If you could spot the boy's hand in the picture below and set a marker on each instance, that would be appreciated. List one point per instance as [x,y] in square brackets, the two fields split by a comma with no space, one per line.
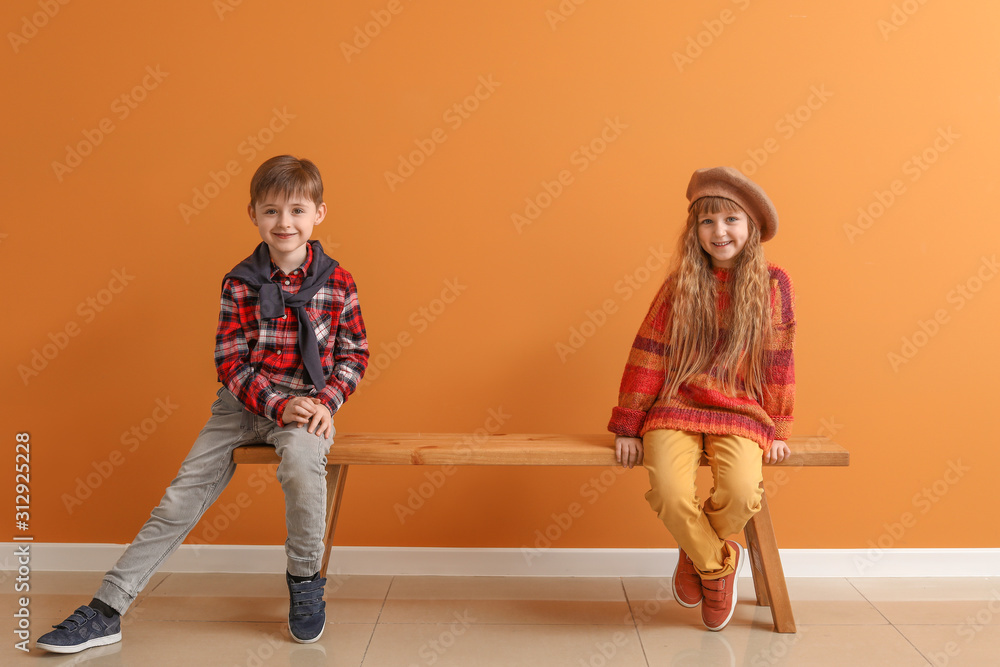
[628,451]
[779,452]
[300,409]
[322,421]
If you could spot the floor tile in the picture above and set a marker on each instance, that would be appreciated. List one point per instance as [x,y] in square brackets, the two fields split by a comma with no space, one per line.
[813,645]
[505,600]
[971,644]
[267,585]
[930,601]
[541,612]
[463,645]
[508,588]
[211,619]
[258,597]
[927,588]
[58,594]
[264,610]
[155,643]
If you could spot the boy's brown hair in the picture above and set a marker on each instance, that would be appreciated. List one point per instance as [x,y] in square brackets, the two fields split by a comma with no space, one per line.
[289,176]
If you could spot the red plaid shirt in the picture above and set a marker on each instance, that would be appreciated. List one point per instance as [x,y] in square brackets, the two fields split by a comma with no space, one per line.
[258,360]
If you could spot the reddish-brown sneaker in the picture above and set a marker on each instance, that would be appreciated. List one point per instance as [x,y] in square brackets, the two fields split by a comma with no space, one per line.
[720,594]
[686,582]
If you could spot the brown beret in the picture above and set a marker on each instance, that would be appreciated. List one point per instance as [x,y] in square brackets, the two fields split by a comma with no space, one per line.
[732,184]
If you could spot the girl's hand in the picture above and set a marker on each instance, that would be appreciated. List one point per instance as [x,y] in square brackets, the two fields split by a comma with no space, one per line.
[779,452]
[628,451]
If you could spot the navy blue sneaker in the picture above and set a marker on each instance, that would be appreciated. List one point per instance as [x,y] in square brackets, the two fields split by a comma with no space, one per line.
[306,609]
[85,628]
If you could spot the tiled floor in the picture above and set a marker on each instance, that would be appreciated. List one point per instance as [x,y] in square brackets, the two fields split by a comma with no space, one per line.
[381,621]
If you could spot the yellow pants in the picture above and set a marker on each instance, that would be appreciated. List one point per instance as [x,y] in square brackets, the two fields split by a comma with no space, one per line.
[672,459]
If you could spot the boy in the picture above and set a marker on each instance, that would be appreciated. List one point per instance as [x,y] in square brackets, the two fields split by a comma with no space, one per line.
[290,348]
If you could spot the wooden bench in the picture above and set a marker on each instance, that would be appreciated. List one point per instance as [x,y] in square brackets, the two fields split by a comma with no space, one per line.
[517,449]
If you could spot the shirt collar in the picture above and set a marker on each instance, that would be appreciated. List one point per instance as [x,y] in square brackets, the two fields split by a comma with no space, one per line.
[302,270]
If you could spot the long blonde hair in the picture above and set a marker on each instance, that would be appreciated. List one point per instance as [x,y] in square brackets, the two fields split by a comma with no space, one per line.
[737,357]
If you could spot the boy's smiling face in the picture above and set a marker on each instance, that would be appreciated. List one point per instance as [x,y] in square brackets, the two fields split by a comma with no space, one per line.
[285,223]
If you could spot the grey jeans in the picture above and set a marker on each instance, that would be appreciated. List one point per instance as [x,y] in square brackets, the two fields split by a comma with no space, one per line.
[202,477]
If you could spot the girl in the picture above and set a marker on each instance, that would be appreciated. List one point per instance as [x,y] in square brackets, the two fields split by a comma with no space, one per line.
[711,371]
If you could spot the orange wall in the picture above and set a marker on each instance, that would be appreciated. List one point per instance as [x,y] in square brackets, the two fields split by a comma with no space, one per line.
[210,84]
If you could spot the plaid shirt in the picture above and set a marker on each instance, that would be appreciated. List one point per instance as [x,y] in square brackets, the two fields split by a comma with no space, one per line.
[258,360]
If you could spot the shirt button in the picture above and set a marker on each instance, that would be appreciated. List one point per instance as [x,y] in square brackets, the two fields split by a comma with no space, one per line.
[288,282]
[279,351]
[284,317]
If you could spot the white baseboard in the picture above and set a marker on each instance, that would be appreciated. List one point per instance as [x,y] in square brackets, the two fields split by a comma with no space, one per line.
[514,562]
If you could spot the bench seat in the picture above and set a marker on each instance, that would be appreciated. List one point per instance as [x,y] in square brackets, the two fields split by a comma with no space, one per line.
[509,449]
[547,449]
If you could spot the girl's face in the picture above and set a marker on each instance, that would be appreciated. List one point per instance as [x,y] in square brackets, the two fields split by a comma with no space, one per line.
[723,235]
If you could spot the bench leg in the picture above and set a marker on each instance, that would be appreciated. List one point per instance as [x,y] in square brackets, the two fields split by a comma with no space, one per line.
[756,567]
[768,576]
[336,479]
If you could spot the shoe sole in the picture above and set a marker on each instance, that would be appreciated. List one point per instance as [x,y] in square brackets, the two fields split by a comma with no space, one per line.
[306,641]
[673,589]
[740,562]
[76,648]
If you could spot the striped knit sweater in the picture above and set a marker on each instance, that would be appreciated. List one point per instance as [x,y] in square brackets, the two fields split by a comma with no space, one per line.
[700,404]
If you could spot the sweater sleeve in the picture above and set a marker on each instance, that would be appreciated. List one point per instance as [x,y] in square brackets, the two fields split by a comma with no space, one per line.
[643,377]
[779,394]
